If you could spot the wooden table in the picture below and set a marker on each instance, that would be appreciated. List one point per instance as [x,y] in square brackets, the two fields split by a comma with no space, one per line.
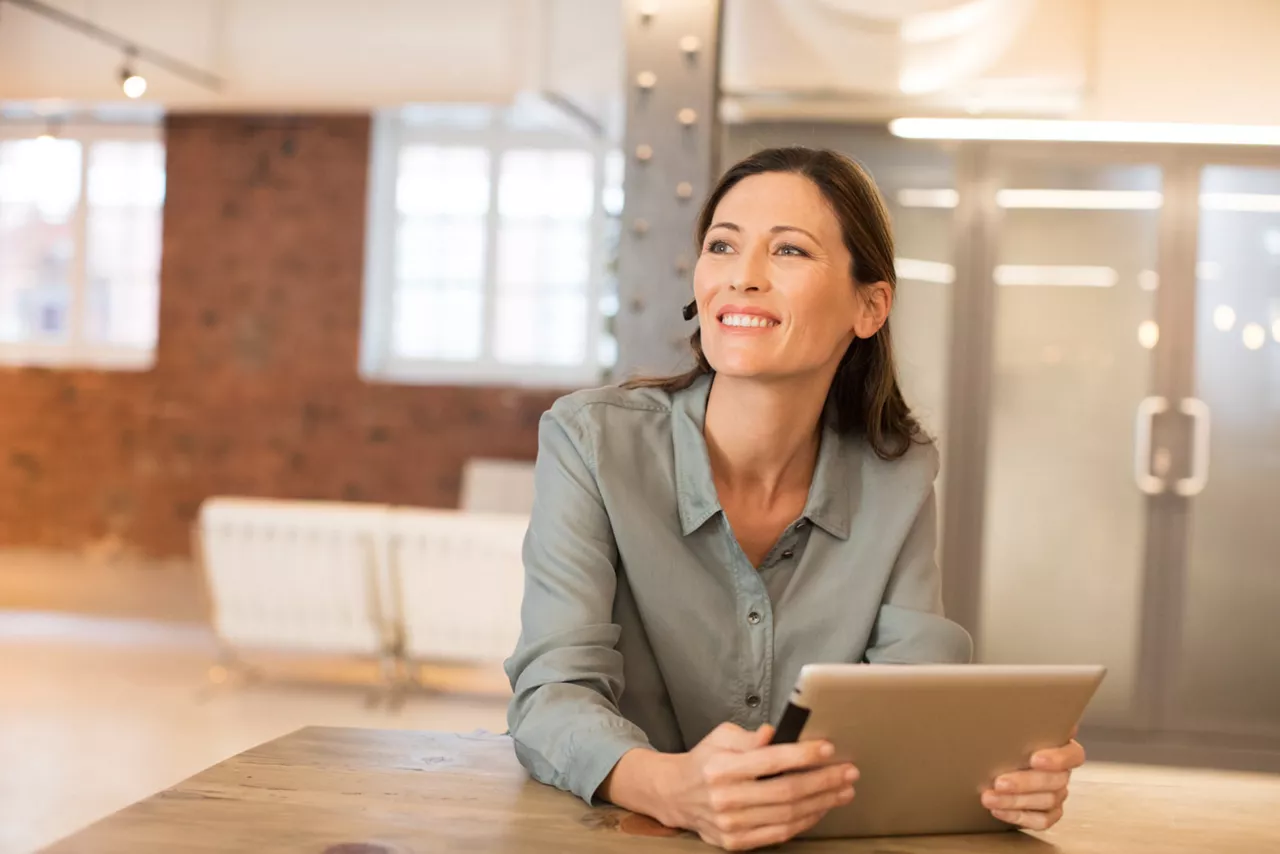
[359,791]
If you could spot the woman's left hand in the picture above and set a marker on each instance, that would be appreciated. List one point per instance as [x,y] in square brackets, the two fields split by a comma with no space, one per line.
[1033,799]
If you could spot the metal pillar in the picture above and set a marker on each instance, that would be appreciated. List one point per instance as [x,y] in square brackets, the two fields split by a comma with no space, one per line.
[670,144]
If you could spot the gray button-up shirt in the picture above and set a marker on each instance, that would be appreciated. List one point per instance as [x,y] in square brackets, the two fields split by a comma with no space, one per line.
[645,625]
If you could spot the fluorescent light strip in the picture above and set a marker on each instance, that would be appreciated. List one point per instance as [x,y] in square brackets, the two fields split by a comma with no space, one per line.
[1054,130]
[917,270]
[1081,200]
[928,198]
[1055,275]
[1098,200]
[1030,275]
[1241,202]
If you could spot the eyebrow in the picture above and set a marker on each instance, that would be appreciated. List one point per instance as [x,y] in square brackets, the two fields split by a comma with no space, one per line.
[775,230]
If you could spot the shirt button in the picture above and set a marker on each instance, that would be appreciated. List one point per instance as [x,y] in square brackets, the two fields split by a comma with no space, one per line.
[788,554]
[753,700]
[753,618]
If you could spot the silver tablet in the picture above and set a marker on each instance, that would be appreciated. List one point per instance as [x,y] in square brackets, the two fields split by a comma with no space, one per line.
[930,739]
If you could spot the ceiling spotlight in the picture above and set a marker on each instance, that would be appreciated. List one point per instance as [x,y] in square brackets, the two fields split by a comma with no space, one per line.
[133,84]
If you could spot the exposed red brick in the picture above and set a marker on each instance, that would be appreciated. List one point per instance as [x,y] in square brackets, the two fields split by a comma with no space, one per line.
[255,389]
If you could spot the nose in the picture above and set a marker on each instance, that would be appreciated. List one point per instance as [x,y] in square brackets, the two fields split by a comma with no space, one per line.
[751,272]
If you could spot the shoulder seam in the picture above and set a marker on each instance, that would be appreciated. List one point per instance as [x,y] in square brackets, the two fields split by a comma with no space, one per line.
[620,405]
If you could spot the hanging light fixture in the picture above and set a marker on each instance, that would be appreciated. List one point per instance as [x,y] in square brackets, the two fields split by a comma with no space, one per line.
[133,83]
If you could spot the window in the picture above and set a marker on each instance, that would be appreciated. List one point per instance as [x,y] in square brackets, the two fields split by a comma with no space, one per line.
[488,248]
[80,218]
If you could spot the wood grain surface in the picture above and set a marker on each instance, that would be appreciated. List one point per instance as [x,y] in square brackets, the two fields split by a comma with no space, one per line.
[362,791]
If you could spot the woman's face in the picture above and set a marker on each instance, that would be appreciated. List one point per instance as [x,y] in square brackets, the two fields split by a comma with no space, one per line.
[774,284]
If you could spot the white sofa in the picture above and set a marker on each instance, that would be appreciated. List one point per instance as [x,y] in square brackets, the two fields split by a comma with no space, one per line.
[403,585]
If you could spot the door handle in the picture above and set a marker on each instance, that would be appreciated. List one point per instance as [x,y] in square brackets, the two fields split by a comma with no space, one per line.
[1148,409]
[1200,420]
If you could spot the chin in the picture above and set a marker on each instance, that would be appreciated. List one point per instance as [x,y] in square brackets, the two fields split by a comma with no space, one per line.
[744,368]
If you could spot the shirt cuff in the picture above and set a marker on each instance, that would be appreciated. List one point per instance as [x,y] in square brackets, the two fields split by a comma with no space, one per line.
[596,754]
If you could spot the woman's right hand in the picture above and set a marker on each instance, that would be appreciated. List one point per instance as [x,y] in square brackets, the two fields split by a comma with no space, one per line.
[715,790]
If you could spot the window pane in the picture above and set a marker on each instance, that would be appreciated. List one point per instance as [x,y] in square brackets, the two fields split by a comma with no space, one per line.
[438,320]
[546,183]
[567,256]
[39,191]
[543,257]
[126,185]
[123,299]
[611,195]
[123,310]
[549,330]
[440,248]
[126,173]
[519,256]
[451,116]
[436,180]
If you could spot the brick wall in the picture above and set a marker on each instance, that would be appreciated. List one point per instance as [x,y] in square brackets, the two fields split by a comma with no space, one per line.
[255,390]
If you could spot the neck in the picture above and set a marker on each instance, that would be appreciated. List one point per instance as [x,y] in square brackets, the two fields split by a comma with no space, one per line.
[763,437]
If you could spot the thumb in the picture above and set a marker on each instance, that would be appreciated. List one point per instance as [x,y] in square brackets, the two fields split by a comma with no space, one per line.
[730,736]
[764,735]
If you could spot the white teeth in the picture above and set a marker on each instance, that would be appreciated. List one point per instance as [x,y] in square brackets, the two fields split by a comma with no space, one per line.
[751,320]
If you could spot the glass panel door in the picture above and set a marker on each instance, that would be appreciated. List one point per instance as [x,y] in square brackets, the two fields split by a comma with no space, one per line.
[1228,671]
[1065,526]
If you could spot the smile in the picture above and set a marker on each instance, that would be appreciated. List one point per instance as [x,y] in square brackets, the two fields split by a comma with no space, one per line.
[747,321]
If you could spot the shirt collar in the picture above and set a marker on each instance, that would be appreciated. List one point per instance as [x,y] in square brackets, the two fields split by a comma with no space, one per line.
[828,505]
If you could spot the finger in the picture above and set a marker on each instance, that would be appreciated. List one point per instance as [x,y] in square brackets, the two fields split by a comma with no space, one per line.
[784,790]
[1024,782]
[761,837]
[1059,758]
[1042,801]
[729,736]
[780,758]
[764,734]
[1030,819]
[785,813]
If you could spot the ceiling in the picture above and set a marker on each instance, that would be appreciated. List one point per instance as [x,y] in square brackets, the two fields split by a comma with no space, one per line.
[324,54]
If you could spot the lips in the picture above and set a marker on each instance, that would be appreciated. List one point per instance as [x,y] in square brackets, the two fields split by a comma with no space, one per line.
[747,317]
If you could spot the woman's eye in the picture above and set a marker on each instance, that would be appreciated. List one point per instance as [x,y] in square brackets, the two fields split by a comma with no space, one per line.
[718,247]
[791,249]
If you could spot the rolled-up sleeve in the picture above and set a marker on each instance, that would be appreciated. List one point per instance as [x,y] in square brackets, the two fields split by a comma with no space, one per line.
[566,673]
[910,627]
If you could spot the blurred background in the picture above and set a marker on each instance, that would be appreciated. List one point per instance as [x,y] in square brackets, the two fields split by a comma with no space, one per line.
[285,286]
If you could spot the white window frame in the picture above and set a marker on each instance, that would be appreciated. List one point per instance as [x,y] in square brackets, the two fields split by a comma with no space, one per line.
[377,362]
[75,351]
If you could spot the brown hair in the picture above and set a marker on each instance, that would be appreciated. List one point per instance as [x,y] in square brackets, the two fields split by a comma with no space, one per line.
[864,397]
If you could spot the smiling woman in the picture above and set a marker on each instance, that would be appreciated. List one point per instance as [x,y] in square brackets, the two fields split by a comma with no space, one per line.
[697,539]
[808,232]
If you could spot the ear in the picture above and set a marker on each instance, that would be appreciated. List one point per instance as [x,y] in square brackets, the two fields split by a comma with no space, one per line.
[877,302]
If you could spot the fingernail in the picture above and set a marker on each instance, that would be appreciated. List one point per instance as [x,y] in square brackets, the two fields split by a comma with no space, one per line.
[846,794]
[850,775]
[827,749]
[1003,785]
